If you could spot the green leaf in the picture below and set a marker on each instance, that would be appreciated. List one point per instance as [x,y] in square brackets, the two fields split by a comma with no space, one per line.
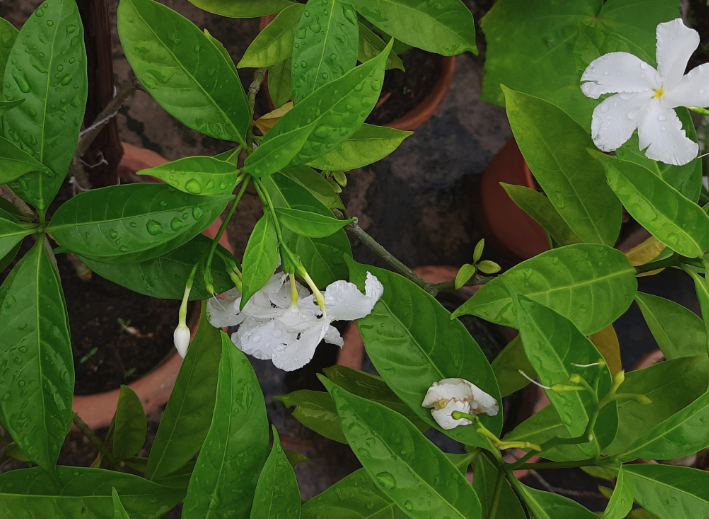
[316,184]
[81,492]
[11,234]
[544,505]
[702,289]
[507,365]
[673,219]
[670,492]
[132,222]
[413,343]
[119,512]
[183,70]
[185,423]
[402,462]
[309,224]
[590,284]
[236,447]
[316,411]
[328,117]
[677,330]
[220,47]
[260,258]
[47,69]
[444,27]
[130,425]
[274,44]
[542,211]
[552,344]
[165,277]
[242,8]
[371,45]
[326,44]
[466,272]
[622,499]
[8,259]
[8,35]
[369,144]
[14,163]
[197,175]
[36,364]
[279,82]
[277,494]
[484,481]
[575,186]
[671,385]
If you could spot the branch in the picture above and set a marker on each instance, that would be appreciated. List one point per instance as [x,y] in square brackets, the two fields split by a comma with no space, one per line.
[16,201]
[562,491]
[86,430]
[256,86]
[672,261]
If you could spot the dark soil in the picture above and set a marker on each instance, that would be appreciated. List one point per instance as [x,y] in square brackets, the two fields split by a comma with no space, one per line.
[699,20]
[404,91]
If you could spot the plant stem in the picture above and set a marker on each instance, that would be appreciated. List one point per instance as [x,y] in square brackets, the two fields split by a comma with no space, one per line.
[496,495]
[255,86]
[672,261]
[86,430]
[559,465]
[17,201]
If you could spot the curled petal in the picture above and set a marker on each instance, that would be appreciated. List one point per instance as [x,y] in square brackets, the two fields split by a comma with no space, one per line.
[618,72]
[616,118]
[445,420]
[332,336]
[260,338]
[344,301]
[483,402]
[675,44]
[300,350]
[225,312]
[661,132]
[447,389]
[692,90]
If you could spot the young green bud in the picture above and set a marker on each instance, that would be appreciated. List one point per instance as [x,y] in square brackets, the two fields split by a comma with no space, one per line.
[489,267]
[340,177]
[466,272]
[478,253]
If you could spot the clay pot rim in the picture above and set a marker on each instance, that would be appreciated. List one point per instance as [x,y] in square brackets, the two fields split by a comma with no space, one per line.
[154,387]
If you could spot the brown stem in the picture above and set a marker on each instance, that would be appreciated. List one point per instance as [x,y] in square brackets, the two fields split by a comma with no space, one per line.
[16,200]
[86,430]
[256,86]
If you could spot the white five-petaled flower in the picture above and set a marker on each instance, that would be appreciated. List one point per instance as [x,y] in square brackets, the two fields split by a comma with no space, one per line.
[457,394]
[645,98]
[272,328]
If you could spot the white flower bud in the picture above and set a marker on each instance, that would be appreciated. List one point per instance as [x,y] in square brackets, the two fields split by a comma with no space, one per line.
[182,339]
[457,394]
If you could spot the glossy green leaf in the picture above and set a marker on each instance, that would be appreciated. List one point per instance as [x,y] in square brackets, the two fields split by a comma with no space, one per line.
[621,501]
[277,494]
[186,420]
[575,185]
[316,184]
[316,411]
[309,224]
[274,44]
[277,153]
[371,45]
[129,425]
[545,505]
[181,68]
[197,175]
[165,277]
[402,462]
[484,481]
[413,343]
[8,211]
[369,144]
[677,330]
[671,385]
[552,344]
[507,365]
[6,106]
[14,163]
[242,8]
[325,47]
[81,492]
[329,117]
[224,480]
[670,492]
[220,47]
[47,69]
[279,82]
[590,284]
[132,222]
[260,258]
[11,234]
[542,211]
[673,219]
[295,457]
[36,364]
[444,27]
[465,273]
[12,450]
[702,289]
[6,261]
[119,512]
[8,35]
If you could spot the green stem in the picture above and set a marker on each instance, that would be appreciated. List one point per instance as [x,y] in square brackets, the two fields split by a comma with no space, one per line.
[86,430]
[672,261]
[559,465]
[496,495]
[256,86]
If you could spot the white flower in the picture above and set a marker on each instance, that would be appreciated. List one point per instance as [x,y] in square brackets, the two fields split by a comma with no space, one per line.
[272,328]
[457,394]
[182,339]
[645,98]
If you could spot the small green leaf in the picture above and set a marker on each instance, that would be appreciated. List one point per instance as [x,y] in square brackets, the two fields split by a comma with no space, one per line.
[8,35]
[484,481]
[11,234]
[220,47]
[183,70]
[14,163]
[119,512]
[309,224]
[545,505]
[9,258]
[6,106]
[223,482]
[316,184]
[197,175]
[260,258]
[480,247]
[316,411]
[466,272]
[667,491]
[622,499]
[277,494]
[274,44]
[130,425]
[12,450]
[279,82]
[489,267]
[507,365]
[275,154]
[369,144]
[371,45]
[295,457]
[242,8]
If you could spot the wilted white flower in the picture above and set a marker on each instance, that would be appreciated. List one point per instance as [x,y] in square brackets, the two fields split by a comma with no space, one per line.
[645,98]
[182,339]
[457,394]
[272,327]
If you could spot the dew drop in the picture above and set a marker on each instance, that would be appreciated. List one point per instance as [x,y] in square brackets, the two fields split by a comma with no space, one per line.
[154,227]
[386,480]
[193,186]
[408,505]
[50,22]
[176,224]
[71,28]
[113,233]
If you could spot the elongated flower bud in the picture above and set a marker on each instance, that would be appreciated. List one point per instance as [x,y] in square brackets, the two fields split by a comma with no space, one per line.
[182,339]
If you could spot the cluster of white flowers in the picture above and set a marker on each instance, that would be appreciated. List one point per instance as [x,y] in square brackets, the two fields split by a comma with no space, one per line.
[282,322]
[457,394]
[645,98]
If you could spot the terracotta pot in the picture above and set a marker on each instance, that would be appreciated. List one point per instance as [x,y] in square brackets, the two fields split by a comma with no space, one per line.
[421,113]
[153,388]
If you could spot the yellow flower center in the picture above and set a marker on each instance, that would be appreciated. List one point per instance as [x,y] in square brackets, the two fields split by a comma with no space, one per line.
[659,93]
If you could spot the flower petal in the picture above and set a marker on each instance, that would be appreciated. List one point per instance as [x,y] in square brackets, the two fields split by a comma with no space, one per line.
[692,90]
[483,402]
[447,389]
[332,336]
[299,351]
[618,72]
[675,44]
[281,297]
[225,312]
[660,131]
[344,301]
[260,338]
[616,118]
[445,420]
